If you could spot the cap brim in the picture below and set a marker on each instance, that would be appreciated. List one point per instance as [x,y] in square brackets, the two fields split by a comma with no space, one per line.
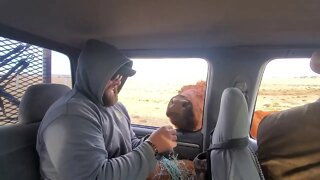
[126,71]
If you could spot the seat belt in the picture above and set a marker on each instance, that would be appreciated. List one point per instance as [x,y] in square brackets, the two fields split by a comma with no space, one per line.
[230,144]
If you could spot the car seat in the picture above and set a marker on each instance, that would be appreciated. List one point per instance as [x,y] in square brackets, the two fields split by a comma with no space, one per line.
[18,155]
[230,156]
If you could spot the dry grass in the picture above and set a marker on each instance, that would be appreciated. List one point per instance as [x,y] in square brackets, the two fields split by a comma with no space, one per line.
[279,94]
[147,105]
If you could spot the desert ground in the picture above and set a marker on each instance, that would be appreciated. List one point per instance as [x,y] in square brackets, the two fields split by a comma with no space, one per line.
[147,105]
[284,93]
[147,101]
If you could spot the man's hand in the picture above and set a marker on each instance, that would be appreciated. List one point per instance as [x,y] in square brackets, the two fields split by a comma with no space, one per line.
[164,138]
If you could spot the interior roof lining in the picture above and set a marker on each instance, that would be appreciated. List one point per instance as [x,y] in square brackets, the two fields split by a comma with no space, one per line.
[291,50]
[167,24]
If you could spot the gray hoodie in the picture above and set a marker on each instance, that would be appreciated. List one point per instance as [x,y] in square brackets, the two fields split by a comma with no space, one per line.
[80,138]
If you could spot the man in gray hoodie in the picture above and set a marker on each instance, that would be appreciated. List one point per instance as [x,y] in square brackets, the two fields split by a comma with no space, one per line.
[87,133]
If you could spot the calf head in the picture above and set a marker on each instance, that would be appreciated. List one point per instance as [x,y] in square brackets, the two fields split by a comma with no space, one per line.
[180,113]
[185,109]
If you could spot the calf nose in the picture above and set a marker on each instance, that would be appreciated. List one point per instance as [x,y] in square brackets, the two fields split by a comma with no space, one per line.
[177,105]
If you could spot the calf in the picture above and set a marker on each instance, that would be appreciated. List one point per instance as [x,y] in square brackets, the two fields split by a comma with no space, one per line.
[257,118]
[185,110]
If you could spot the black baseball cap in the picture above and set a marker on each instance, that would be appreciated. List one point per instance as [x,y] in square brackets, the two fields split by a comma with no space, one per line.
[125,70]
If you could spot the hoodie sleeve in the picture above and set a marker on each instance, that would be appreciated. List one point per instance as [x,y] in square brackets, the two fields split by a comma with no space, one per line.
[135,142]
[76,148]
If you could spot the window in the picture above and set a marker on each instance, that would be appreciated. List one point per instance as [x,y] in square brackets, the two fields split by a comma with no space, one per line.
[146,95]
[60,69]
[286,83]
[22,65]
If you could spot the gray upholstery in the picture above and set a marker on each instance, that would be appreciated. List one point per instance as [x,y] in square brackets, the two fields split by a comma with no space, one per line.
[18,155]
[233,123]
[253,145]
[37,99]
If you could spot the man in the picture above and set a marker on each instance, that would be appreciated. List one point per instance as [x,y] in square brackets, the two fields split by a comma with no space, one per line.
[288,141]
[87,133]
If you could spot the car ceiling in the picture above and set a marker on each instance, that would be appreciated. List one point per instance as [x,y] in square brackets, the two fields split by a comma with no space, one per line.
[166,24]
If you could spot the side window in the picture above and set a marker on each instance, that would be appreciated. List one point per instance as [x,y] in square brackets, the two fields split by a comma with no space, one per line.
[60,69]
[146,95]
[286,83]
[22,65]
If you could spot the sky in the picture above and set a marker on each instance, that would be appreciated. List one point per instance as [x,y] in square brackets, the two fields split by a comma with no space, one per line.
[289,68]
[60,64]
[189,69]
[193,68]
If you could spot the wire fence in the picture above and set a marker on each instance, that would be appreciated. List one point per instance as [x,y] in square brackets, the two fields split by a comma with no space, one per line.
[21,65]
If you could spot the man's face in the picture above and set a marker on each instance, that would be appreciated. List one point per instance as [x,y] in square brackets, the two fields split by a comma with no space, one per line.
[110,95]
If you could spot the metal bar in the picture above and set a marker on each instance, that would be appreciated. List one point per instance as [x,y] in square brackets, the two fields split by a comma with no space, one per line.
[46,66]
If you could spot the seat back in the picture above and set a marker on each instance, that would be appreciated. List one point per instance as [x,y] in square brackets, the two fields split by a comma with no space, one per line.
[18,155]
[231,157]
[288,143]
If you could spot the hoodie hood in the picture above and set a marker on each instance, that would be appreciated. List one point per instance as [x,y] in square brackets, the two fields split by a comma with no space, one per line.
[97,63]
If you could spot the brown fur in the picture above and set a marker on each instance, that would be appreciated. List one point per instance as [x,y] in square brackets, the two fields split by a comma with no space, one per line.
[257,118]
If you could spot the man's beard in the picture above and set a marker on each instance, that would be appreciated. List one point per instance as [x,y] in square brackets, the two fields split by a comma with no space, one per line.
[110,97]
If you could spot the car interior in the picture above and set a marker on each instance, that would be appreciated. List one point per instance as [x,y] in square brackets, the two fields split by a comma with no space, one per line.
[237,39]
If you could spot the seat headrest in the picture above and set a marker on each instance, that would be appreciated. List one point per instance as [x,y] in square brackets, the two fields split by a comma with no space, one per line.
[37,99]
[233,120]
[315,62]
